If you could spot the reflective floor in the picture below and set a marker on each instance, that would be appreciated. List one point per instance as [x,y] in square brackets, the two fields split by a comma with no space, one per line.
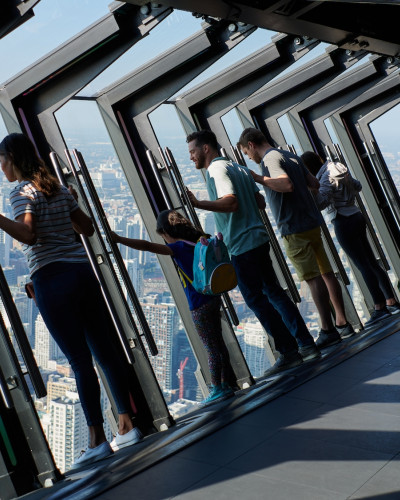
[328,429]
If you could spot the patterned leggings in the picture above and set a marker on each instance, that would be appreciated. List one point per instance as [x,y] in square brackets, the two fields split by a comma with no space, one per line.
[207,320]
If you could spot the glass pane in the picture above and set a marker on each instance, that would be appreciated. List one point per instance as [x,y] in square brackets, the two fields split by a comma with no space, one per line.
[233,126]
[387,135]
[289,134]
[84,130]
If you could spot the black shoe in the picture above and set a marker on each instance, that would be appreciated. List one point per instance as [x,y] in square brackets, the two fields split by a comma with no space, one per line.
[284,363]
[394,309]
[309,352]
[327,338]
[345,331]
[377,315]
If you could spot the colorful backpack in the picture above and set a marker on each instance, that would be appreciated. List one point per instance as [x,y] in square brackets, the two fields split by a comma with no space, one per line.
[213,271]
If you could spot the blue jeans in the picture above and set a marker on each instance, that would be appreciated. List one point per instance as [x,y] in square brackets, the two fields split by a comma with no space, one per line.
[263,294]
[72,306]
[351,233]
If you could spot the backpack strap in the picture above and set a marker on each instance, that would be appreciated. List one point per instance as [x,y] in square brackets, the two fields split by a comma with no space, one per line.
[181,272]
[183,275]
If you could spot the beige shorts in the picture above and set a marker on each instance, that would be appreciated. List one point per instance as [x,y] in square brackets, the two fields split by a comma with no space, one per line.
[307,254]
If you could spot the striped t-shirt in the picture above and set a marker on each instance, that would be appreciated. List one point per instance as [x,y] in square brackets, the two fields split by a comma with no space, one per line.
[55,235]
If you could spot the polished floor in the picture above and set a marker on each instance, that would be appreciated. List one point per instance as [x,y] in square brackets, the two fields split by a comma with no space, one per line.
[327,430]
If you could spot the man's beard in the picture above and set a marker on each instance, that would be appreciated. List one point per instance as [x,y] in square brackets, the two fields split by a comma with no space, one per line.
[201,162]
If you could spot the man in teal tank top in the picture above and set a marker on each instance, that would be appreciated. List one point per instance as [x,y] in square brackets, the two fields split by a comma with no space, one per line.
[235,201]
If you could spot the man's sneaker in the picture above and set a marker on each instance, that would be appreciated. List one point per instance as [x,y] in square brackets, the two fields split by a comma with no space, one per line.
[394,309]
[93,455]
[327,338]
[376,316]
[308,352]
[122,440]
[284,363]
[345,331]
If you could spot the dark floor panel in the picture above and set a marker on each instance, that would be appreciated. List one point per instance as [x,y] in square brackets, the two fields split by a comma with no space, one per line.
[165,480]
[324,388]
[225,486]
[298,457]
[355,427]
[384,485]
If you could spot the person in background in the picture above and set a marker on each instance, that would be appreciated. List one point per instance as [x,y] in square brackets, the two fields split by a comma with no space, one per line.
[287,185]
[180,236]
[68,296]
[337,194]
[235,201]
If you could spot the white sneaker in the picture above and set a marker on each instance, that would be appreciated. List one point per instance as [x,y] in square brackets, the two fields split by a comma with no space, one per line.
[93,454]
[122,440]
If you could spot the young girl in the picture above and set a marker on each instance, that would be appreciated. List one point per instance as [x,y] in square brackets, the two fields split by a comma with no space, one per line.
[178,232]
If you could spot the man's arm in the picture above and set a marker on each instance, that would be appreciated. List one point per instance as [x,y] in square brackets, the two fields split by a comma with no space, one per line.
[312,182]
[281,183]
[260,200]
[225,204]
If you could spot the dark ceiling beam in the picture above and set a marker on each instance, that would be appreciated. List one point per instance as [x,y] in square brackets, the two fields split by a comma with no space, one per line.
[13,13]
[372,26]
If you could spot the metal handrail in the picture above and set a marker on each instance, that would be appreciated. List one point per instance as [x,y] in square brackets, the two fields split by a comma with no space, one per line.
[117,255]
[173,181]
[159,180]
[227,303]
[5,392]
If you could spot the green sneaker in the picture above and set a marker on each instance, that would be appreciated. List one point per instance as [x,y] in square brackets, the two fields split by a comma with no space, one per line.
[217,393]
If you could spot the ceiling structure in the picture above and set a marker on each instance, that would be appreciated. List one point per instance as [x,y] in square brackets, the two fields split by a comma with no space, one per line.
[351,25]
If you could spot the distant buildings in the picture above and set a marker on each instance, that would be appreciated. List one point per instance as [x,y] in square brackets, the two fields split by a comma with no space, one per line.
[163,321]
[67,432]
[46,349]
[253,340]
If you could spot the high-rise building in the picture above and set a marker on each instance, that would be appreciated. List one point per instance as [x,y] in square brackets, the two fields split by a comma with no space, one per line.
[253,345]
[67,430]
[207,222]
[46,348]
[5,246]
[28,312]
[163,321]
[10,275]
[58,386]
